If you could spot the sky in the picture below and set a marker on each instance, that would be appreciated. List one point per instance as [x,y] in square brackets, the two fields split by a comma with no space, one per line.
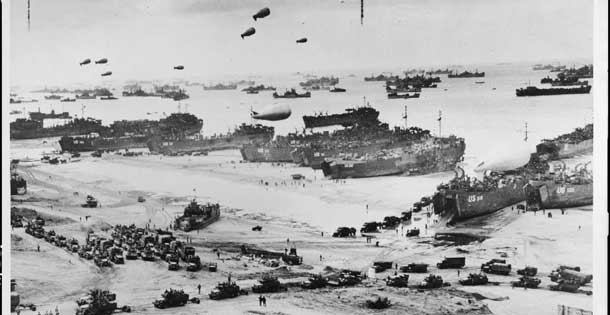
[144,39]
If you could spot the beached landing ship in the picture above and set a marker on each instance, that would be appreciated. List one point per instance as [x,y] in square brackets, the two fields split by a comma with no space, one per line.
[197,216]
[31,129]
[349,118]
[463,197]
[242,135]
[278,150]
[132,134]
[562,191]
[534,91]
[422,157]
[52,115]
[381,77]
[580,141]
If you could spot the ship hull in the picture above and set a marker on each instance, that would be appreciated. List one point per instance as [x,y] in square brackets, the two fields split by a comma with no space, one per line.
[461,205]
[258,153]
[565,150]
[564,195]
[429,161]
[553,91]
[186,146]
[87,144]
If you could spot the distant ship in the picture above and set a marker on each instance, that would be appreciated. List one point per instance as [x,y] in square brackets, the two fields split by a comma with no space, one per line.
[257,89]
[463,198]
[439,71]
[20,100]
[85,96]
[108,97]
[381,77]
[580,141]
[414,82]
[52,97]
[320,82]
[466,74]
[407,95]
[242,135]
[389,89]
[349,118]
[291,94]
[52,115]
[220,86]
[534,91]
[136,90]
[176,95]
[337,89]
[67,99]
[539,67]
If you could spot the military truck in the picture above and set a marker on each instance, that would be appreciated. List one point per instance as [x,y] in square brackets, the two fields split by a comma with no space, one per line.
[400,281]
[370,227]
[147,254]
[432,282]
[475,279]
[570,274]
[413,232]
[61,241]
[315,282]
[173,298]
[74,245]
[193,263]
[381,266]
[527,282]
[344,231]
[213,267]
[452,262]
[90,202]
[528,271]
[99,302]
[132,254]
[567,285]
[116,255]
[292,258]
[268,284]
[415,268]
[186,251]
[173,264]
[226,290]
[101,260]
[496,266]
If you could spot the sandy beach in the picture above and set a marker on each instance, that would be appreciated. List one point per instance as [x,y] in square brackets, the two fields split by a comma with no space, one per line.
[292,213]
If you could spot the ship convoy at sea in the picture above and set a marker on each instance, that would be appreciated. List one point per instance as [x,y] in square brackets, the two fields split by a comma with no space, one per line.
[565,77]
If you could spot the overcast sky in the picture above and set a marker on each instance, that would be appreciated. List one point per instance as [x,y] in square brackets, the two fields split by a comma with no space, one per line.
[144,39]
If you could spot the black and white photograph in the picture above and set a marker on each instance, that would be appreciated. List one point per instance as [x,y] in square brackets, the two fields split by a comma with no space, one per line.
[285,157]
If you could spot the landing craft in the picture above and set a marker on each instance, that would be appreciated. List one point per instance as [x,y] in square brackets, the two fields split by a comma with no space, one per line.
[302,40]
[273,113]
[107,73]
[103,60]
[262,13]
[248,32]
[85,62]
[179,67]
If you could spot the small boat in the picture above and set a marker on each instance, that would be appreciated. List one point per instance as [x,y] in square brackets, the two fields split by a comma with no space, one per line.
[52,97]
[252,92]
[67,99]
[337,89]
[407,95]
[479,82]
[109,97]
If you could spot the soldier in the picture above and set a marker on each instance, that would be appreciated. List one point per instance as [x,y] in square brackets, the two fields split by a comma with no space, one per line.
[260,300]
[199,288]
[38,248]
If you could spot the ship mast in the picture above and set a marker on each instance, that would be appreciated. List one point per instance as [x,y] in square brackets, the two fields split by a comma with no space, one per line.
[525,139]
[440,113]
[405,117]
[361,12]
